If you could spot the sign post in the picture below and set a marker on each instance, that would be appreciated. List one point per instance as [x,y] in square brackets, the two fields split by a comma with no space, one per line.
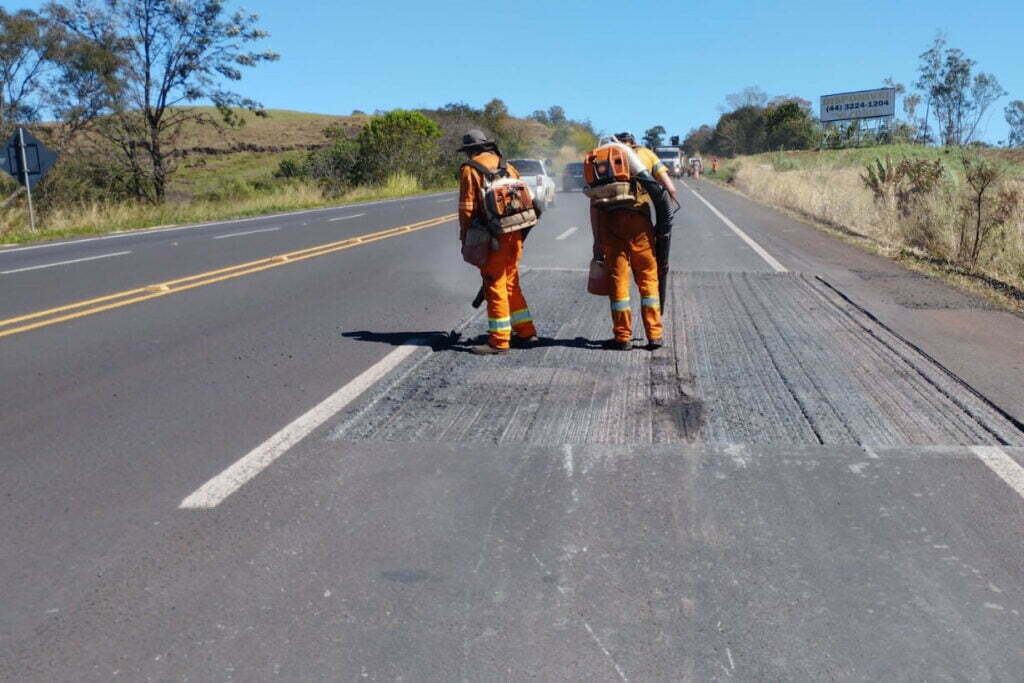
[27,160]
[28,186]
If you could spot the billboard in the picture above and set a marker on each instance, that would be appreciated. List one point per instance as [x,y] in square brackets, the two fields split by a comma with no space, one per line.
[862,104]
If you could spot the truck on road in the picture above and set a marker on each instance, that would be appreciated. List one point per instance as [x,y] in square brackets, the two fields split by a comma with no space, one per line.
[672,157]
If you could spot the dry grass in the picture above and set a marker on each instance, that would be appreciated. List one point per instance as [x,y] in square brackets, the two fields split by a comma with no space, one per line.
[281,128]
[98,218]
[827,188]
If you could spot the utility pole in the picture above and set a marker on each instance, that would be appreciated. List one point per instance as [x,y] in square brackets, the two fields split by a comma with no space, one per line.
[24,171]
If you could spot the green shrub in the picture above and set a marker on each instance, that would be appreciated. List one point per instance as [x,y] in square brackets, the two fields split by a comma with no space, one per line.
[231,189]
[290,168]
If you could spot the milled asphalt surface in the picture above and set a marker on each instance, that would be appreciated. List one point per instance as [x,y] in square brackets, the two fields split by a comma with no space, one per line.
[786,490]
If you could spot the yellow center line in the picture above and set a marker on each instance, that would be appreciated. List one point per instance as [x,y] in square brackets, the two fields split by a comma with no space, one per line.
[132,296]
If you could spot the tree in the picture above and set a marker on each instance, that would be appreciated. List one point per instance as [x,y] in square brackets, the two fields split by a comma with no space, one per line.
[740,132]
[788,126]
[46,73]
[496,109]
[25,53]
[652,136]
[172,54]
[1015,118]
[556,115]
[958,97]
[698,140]
[897,87]
[398,142]
[799,101]
[751,96]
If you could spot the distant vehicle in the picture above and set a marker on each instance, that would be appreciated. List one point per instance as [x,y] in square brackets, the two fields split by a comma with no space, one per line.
[572,177]
[672,158]
[694,167]
[536,175]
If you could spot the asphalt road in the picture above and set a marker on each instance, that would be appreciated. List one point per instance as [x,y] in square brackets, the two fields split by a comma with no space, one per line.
[259,449]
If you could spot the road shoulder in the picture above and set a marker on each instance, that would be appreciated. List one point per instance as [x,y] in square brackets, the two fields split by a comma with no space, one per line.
[979,342]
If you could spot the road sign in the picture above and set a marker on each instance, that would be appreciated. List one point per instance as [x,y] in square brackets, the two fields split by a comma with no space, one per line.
[863,104]
[37,158]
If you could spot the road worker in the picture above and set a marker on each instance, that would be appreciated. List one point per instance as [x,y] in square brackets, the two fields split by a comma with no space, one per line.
[624,238]
[509,320]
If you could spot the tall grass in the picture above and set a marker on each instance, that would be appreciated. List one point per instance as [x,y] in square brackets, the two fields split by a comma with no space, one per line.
[827,187]
[242,201]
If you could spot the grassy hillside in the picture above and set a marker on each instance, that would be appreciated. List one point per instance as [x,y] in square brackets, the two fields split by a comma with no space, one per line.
[932,230]
[215,158]
[281,128]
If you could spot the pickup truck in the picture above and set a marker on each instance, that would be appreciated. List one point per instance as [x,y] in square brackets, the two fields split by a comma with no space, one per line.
[536,176]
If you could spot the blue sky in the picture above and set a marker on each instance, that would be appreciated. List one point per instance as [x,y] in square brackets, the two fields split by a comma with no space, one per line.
[622,65]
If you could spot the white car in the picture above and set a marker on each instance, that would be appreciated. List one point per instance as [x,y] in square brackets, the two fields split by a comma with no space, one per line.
[535,174]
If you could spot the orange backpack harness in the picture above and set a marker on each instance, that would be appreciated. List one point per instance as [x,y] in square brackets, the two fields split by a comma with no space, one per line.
[507,200]
[611,183]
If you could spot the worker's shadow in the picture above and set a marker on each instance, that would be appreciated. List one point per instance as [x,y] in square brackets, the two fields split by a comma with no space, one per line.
[435,339]
[455,341]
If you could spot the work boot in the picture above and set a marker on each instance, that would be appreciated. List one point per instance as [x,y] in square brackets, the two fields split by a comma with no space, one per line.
[487,350]
[654,344]
[525,342]
[617,345]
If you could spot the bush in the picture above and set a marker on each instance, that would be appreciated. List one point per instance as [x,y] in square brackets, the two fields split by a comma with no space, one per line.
[398,142]
[897,186]
[231,189]
[81,179]
[290,168]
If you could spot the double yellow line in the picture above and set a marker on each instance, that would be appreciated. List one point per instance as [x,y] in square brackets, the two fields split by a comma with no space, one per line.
[80,309]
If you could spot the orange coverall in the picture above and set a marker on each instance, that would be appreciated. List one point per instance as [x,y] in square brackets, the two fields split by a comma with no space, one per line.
[506,307]
[626,239]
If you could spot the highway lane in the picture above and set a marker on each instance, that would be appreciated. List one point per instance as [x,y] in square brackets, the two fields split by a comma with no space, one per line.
[634,533]
[42,276]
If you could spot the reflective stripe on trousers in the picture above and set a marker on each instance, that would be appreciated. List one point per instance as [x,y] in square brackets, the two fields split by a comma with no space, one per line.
[628,248]
[506,307]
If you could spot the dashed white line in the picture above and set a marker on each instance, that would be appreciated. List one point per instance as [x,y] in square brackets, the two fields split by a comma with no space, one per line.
[567,233]
[1003,465]
[345,218]
[247,232]
[769,259]
[216,490]
[63,263]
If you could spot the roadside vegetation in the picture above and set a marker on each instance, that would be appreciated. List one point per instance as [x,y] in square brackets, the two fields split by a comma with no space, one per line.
[953,210]
[923,189]
[137,149]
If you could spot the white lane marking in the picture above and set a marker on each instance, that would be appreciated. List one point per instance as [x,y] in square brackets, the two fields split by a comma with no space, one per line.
[443,201]
[63,263]
[769,259]
[216,490]
[567,233]
[247,232]
[606,653]
[1003,465]
[345,218]
[10,249]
